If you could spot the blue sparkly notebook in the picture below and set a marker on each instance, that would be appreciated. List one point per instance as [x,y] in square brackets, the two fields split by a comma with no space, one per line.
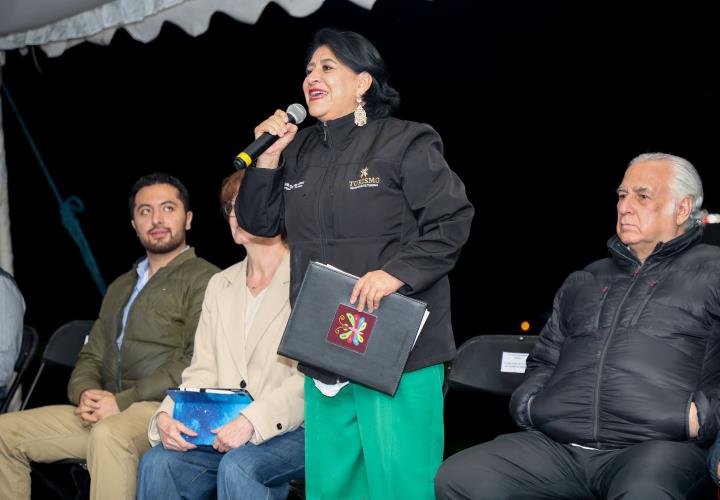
[206,409]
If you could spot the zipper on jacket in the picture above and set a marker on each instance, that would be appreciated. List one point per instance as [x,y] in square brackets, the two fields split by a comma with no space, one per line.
[318,208]
[601,360]
[119,348]
[118,381]
[118,378]
[120,326]
[321,222]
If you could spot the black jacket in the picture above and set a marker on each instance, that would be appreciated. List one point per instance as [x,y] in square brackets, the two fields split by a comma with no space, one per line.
[366,198]
[628,348]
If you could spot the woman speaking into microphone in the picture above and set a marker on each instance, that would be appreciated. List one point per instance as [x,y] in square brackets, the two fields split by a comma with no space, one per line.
[372,195]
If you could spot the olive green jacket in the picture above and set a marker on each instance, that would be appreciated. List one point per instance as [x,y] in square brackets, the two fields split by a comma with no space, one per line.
[159,334]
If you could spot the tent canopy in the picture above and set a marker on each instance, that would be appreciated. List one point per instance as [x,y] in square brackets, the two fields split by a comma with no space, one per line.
[23,15]
[56,26]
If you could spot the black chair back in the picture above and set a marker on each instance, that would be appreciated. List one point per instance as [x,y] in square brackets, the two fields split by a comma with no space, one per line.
[67,341]
[63,349]
[490,363]
[28,346]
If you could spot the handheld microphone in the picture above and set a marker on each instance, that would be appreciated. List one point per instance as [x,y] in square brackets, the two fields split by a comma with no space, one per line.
[296,114]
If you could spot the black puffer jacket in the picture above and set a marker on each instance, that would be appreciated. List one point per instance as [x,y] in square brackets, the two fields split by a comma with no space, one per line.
[365,198]
[628,348]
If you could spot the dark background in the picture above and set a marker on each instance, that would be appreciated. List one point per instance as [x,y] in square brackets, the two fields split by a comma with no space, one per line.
[540,104]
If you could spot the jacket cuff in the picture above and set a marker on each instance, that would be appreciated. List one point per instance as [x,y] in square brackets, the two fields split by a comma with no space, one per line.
[404,273]
[166,406]
[265,428]
[707,431]
[75,392]
[520,409]
[153,433]
[125,398]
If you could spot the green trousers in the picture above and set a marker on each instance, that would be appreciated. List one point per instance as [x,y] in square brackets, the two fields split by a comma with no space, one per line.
[363,444]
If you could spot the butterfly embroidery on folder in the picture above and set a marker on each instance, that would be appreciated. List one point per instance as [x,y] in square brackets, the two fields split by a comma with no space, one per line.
[351,329]
[352,332]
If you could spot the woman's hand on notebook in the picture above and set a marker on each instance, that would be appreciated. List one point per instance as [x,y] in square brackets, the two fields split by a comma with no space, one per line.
[170,433]
[233,434]
[372,287]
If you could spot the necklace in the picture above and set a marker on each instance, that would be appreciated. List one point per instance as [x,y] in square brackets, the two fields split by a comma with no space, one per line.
[260,284]
[263,281]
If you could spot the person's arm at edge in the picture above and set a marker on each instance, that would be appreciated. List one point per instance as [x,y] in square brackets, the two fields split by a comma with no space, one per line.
[259,206]
[706,400]
[12,310]
[437,197]
[540,365]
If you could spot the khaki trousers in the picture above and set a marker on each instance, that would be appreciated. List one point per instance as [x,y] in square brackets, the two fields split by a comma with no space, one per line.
[112,447]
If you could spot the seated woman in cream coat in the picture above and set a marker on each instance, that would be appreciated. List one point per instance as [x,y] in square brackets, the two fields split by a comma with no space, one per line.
[244,313]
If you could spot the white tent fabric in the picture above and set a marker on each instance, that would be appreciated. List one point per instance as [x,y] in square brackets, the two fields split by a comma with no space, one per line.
[142,19]
[17,16]
[5,242]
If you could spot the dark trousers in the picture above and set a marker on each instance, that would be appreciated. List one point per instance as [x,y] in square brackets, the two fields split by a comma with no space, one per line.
[529,465]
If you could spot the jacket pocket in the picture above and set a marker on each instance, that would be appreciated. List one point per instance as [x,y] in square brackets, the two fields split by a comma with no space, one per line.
[652,286]
[604,291]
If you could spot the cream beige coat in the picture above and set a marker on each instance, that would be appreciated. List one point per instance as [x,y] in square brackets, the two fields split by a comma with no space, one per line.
[226,356]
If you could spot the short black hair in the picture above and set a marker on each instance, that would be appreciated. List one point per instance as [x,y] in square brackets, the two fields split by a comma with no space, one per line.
[159,178]
[356,52]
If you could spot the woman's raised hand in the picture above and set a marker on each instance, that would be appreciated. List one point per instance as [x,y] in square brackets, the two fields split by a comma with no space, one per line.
[277,125]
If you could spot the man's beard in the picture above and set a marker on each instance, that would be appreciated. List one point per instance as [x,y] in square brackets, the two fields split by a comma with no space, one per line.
[163,247]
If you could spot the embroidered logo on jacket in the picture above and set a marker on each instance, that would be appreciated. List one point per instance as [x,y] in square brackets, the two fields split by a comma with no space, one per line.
[364,181]
[351,329]
[290,187]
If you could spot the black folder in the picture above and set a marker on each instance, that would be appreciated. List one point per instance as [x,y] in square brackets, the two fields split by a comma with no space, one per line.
[325,331]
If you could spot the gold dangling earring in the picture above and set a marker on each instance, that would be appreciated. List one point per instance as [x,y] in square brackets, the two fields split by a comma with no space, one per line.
[360,115]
